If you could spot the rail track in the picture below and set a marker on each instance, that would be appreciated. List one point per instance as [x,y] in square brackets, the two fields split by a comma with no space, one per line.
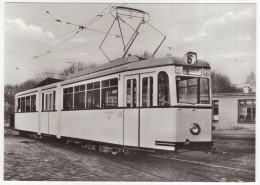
[133,161]
[162,167]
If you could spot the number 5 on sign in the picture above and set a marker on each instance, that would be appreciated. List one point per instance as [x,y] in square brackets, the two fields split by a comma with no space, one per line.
[191,58]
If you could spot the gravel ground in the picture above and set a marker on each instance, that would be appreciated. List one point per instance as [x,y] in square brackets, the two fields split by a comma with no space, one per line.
[27,159]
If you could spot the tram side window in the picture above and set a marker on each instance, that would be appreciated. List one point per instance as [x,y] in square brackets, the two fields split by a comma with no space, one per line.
[42,101]
[68,98]
[47,102]
[147,94]
[93,95]
[27,104]
[19,105]
[163,89]
[110,93]
[131,93]
[33,103]
[23,104]
[79,97]
[54,101]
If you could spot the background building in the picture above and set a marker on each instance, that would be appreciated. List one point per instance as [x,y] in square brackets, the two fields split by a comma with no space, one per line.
[234,110]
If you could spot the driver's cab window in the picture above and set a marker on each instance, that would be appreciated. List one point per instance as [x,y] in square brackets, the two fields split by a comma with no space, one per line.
[163,89]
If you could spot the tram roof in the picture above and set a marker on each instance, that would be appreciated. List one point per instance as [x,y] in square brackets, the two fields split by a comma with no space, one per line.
[134,63]
[120,65]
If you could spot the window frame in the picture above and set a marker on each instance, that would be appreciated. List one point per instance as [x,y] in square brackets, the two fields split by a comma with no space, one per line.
[94,91]
[251,107]
[66,94]
[129,97]
[81,91]
[148,101]
[198,99]
[110,84]
[33,103]
[167,104]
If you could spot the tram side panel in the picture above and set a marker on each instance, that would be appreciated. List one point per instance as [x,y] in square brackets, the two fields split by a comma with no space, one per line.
[131,127]
[187,116]
[157,125]
[44,123]
[26,121]
[49,123]
[105,125]
[53,123]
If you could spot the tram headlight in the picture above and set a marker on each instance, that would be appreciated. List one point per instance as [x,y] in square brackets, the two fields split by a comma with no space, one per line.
[195,129]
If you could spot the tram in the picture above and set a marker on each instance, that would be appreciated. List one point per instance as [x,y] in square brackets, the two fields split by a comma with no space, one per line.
[126,104]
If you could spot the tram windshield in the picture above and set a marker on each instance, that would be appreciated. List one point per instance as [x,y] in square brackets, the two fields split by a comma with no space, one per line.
[192,90]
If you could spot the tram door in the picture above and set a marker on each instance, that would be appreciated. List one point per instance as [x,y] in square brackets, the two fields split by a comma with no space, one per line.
[131,111]
[49,115]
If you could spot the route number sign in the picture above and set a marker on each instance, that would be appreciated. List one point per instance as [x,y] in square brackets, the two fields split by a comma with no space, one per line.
[191,58]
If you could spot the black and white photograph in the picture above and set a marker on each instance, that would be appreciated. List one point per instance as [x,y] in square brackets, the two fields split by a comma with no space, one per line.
[129,91]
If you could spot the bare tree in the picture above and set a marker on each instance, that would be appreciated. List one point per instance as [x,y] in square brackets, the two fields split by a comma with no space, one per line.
[74,67]
[222,84]
[251,79]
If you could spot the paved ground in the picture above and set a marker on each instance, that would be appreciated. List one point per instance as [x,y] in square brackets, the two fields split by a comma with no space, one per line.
[27,159]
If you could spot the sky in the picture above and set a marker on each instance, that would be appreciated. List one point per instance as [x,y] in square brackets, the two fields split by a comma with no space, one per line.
[44,37]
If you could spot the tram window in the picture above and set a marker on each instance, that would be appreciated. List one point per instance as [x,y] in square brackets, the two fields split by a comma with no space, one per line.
[82,88]
[134,92]
[42,101]
[131,93]
[93,95]
[163,89]
[46,102]
[110,93]
[114,82]
[33,103]
[19,105]
[147,94]
[54,101]
[27,104]
[105,83]
[93,99]
[68,98]
[79,97]
[76,89]
[204,90]
[96,85]
[90,86]
[128,93]
[192,90]
[23,104]
[109,97]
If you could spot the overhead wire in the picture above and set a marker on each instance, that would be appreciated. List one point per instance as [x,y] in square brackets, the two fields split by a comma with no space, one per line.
[98,17]
[76,31]
[46,11]
[34,71]
[189,20]
[163,45]
[81,28]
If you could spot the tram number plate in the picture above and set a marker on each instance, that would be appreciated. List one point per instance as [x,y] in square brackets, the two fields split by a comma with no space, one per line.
[191,58]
